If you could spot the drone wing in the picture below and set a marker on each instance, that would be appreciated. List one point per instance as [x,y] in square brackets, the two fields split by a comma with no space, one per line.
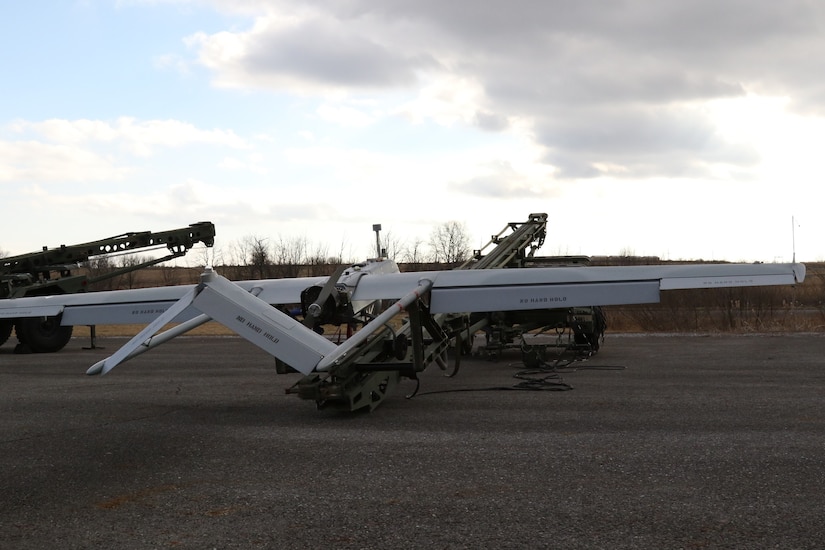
[245,307]
[142,305]
[468,291]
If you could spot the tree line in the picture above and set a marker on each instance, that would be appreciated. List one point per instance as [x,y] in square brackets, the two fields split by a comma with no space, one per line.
[259,257]
[262,257]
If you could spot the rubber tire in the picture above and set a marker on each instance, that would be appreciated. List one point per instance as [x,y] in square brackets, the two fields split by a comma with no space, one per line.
[43,335]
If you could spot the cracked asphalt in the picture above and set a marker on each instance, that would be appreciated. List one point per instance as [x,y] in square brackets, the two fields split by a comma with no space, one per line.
[662,442]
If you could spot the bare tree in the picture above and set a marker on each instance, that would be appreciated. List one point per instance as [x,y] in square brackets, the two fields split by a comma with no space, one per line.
[319,261]
[259,258]
[414,255]
[346,253]
[393,246]
[100,266]
[339,258]
[237,256]
[450,242]
[130,277]
[169,274]
[289,255]
[204,255]
[252,257]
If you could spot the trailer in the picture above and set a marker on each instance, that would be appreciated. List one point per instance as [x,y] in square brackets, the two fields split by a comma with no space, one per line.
[53,271]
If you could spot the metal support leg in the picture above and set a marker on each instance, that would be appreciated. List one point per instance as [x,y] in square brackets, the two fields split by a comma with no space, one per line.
[93,338]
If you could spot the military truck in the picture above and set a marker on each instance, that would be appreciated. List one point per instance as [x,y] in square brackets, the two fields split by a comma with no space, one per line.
[58,270]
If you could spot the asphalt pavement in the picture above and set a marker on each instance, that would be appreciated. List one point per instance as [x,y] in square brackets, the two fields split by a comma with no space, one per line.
[657,442]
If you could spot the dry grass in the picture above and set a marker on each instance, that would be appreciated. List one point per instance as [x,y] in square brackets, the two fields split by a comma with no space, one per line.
[102,331]
[211,328]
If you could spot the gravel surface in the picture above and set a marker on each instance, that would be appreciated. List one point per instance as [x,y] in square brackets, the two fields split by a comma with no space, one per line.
[662,442]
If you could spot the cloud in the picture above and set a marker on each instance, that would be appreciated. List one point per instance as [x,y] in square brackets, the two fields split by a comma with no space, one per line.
[172,62]
[187,199]
[308,52]
[138,137]
[32,161]
[680,141]
[501,180]
[251,163]
[58,150]
[449,100]
[344,115]
[607,87]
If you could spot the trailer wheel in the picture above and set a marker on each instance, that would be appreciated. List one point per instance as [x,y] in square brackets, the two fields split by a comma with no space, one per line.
[43,334]
[5,331]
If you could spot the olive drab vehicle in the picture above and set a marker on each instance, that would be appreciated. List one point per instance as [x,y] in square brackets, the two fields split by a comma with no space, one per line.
[54,271]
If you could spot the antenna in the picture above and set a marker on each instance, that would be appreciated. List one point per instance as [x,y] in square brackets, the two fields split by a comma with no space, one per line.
[793,238]
[377,228]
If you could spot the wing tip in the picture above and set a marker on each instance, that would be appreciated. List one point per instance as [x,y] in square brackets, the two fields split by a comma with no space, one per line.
[799,271]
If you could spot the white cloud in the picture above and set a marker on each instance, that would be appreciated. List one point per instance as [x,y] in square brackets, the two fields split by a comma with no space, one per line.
[173,62]
[344,115]
[90,151]
[68,131]
[252,164]
[447,100]
[609,89]
[186,199]
[309,51]
[138,137]
[32,161]
[359,167]
[59,150]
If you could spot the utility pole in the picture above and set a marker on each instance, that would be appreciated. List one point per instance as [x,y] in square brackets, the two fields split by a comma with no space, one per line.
[793,238]
[377,228]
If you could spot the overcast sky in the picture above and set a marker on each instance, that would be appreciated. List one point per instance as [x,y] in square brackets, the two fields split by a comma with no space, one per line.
[679,129]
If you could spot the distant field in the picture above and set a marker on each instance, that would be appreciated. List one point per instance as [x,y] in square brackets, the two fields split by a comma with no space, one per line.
[207,329]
